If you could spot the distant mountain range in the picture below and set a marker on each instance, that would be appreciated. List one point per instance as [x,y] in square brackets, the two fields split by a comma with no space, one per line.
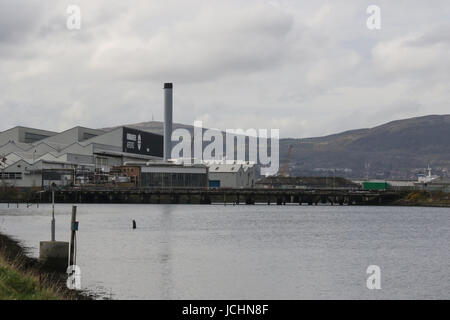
[398,149]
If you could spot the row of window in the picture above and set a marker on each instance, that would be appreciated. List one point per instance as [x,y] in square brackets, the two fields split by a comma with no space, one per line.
[101,162]
[33,137]
[11,175]
[173,180]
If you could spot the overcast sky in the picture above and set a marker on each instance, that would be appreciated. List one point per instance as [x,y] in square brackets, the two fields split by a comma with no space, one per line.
[309,68]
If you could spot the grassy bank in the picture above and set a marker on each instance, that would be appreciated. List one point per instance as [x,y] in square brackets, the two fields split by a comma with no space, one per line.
[19,285]
[425,199]
[22,278]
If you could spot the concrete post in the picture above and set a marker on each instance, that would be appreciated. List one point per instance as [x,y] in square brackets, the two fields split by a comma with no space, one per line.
[53,255]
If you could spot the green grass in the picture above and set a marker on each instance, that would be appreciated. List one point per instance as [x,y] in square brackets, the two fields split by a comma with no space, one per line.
[18,285]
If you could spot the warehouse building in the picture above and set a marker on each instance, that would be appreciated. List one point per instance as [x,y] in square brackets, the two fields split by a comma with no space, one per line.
[32,157]
[232,175]
[172,175]
[24,136]
[121,156]
[23,174]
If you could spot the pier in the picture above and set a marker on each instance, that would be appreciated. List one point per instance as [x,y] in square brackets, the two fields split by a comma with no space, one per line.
[221,196]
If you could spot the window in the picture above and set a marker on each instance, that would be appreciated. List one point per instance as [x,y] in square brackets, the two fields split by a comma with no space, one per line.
[33,137]
[173,180]
[101,162]
[87,136]
[11,175]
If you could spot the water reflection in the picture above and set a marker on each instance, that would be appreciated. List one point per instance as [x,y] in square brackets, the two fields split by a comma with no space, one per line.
[165,253]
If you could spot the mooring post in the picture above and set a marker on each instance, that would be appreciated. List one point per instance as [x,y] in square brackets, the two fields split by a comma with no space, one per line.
[73,228]
[134,224]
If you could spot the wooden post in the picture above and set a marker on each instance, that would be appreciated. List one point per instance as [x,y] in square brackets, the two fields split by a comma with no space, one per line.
[72,236]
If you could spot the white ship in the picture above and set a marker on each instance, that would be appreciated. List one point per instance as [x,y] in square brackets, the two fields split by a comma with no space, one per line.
[427,178]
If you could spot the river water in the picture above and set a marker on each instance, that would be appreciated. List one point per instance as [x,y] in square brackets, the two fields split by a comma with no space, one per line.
[248,252]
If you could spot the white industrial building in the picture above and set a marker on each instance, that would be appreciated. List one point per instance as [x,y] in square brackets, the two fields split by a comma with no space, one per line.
[24,136]
[32,157]
[83,156]
[173,175]
[232,175]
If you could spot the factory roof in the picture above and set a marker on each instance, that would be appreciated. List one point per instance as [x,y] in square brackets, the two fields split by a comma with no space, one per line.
[225,167]
[9,159]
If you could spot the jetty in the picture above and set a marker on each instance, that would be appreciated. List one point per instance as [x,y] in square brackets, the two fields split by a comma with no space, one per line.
[220,195]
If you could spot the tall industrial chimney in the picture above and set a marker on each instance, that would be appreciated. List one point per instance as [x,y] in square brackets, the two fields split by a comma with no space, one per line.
[168,106]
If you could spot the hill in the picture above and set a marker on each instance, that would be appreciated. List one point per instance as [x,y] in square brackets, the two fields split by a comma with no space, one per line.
[399,149]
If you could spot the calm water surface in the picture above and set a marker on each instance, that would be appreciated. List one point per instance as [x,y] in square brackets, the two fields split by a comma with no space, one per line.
[249,252]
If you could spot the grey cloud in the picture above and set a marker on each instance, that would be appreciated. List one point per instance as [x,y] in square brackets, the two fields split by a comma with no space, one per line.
[203,48]
[438,35]
[308,68]
[18,19]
